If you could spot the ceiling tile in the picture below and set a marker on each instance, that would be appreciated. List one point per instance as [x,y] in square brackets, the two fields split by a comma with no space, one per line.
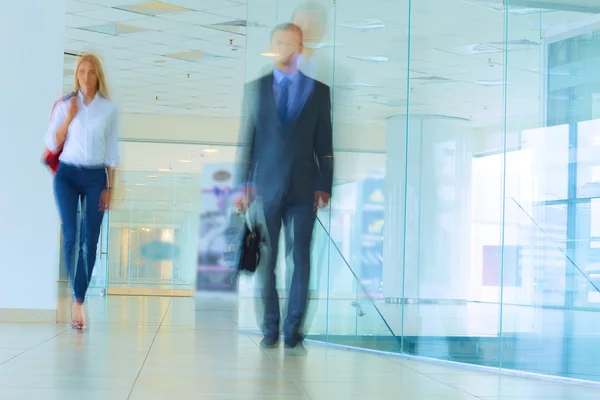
[159,49]
[153,8]
[76,21]
[155,60]
[74,6]
[111,15]
[156,37]
[196,18]
[121,41]
[202,33]
[235,12]
[127,54]
[160,24]
[203,4]
[119,63]
[81,35]
[77,46]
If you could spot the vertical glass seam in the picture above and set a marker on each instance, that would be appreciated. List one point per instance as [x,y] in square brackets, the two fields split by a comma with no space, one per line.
[418,294]
[503,207]
[107,260]
[332,94]
[406,141]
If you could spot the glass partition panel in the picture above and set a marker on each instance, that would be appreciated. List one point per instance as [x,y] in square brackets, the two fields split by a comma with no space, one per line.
[453,206]
[549,290]
[351,316]
[464,209]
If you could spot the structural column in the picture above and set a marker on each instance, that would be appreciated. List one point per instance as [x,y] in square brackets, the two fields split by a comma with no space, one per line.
[426,249]
[31,73]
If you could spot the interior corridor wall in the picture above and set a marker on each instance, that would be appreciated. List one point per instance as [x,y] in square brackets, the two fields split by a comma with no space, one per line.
[30,81]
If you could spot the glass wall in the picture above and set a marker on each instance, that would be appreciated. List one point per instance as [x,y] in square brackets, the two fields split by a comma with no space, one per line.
[155,220]
[472,239]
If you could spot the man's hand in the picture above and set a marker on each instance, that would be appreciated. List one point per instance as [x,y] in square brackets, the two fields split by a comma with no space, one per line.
[321,200]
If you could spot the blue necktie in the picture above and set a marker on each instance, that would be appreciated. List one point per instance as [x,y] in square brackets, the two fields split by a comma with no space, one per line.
[282,108]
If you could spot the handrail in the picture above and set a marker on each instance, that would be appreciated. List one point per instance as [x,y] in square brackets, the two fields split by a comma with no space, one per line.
[556,243]
[364,289]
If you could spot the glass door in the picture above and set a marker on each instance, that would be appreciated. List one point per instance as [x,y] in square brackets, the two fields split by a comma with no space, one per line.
[154,233]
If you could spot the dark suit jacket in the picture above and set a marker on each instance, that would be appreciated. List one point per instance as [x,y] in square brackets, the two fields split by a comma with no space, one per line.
[288,163]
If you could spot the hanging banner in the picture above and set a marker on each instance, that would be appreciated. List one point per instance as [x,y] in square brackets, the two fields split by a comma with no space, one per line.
[214,273]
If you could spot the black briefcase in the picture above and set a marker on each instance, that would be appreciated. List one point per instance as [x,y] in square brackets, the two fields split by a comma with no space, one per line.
[243,253]
[250,251]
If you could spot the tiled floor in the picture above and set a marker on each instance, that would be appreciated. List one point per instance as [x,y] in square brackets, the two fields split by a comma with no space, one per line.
[146,348]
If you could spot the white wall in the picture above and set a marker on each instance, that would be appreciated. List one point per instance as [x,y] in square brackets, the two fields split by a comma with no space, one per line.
[226,130]
[30,80]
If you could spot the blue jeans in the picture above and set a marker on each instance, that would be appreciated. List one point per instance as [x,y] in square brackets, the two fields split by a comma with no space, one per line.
[298,221]
[73,184]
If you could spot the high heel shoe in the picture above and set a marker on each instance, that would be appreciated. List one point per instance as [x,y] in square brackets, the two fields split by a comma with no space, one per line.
[75,316]
[83,320]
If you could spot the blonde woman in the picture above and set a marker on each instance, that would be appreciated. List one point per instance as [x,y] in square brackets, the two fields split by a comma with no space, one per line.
[85,127]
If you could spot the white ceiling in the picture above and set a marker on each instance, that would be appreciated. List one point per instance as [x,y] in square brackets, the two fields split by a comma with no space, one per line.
[448,75]
[456,59]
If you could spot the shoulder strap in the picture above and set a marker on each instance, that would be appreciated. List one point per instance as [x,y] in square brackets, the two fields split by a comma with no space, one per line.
[63,98]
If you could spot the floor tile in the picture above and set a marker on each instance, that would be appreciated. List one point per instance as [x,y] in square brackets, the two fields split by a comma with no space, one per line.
[151,348]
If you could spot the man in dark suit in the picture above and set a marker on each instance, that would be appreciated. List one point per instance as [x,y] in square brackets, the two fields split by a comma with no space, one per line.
[288,164]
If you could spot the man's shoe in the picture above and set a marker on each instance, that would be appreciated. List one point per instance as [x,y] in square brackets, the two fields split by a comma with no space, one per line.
[297,349]
[269,342]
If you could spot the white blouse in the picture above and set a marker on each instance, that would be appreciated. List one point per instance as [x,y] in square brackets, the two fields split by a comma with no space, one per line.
[92,137]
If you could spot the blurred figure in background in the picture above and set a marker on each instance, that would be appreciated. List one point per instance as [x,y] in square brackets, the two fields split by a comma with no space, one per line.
[314,61]
[85,127]
[288,166]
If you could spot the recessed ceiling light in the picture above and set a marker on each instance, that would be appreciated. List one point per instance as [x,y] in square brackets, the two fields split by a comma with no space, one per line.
[323,45]
[354,85]
[194,55]
[152,176]
[269,54]
[498,82]
[152,8]
[373,59]
[140,184]
[210,150]
[164,169]
[190,106]
[113,29]
[185,161]
[366,25]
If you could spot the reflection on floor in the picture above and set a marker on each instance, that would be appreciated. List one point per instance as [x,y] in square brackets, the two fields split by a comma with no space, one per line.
[182,348]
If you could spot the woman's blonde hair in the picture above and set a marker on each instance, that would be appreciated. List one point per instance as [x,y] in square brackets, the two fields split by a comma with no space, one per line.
[101,86]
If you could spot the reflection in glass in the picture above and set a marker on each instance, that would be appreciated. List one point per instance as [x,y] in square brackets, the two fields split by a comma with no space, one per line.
[485,138]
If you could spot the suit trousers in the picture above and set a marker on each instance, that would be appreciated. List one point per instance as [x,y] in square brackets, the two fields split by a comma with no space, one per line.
[298,221]
[73,184]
